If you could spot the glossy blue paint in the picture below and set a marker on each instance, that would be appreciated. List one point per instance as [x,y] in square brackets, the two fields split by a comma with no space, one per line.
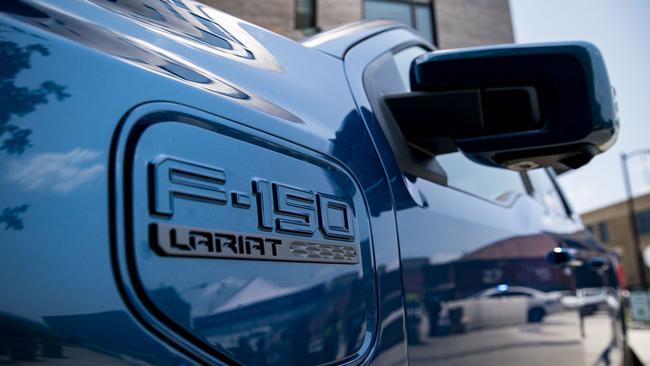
[63,217]
[94,90]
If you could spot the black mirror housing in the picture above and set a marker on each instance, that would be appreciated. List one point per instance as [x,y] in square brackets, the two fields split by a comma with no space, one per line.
[512,106]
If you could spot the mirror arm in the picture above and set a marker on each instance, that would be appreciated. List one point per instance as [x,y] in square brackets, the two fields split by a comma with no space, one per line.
[430,120]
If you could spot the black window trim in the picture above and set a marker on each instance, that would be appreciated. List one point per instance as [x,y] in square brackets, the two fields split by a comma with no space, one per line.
[565,202]
[568,211]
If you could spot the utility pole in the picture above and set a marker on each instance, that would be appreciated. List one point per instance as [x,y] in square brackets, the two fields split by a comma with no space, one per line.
[632,214]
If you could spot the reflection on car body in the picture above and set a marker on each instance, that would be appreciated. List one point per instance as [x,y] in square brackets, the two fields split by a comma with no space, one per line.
[184,187]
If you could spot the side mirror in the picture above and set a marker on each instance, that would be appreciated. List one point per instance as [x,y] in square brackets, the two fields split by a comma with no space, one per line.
[516,106]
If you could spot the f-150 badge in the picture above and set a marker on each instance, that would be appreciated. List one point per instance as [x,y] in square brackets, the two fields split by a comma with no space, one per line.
[287,218]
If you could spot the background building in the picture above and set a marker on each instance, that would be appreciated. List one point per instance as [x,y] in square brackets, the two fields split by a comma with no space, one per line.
[611,224]
[446,23]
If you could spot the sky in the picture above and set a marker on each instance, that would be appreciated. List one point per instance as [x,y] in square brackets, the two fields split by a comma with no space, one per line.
[621,30]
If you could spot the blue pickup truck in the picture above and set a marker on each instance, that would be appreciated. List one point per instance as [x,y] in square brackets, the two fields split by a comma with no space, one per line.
[183,187]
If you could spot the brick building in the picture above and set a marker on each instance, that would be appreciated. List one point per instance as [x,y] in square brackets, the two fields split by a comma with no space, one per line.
[612,226]
[446,23]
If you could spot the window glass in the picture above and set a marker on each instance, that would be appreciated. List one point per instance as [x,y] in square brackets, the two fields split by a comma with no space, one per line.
[643,222]
[514,293]
[545,192]
[403,61]
[305,14]
[499,185]
[604,232]
[511,294]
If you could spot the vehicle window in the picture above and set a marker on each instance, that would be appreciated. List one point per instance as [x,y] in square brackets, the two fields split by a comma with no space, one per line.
[495,184]
[511,294]
[545,192]
[517,294]
[403,61]
[499,185]
[514,293]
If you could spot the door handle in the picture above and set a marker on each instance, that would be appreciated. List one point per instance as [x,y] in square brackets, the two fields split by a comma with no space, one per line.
[599,264]
[565,257]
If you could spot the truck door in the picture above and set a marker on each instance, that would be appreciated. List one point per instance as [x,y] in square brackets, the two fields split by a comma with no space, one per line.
[466,229]
[596,285]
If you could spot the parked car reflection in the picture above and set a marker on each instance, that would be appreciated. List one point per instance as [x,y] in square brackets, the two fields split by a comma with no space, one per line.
[506,300]
[507,283]
[488,287]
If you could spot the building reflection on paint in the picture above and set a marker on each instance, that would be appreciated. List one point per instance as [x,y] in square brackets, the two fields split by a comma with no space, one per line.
[508,283]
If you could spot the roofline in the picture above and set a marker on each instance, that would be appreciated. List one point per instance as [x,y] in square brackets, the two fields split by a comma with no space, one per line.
[621,204]
[338,41]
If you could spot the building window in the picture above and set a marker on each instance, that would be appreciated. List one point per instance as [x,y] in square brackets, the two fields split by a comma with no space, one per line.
[306,14]
[416,13]
[643,222]
[604,233]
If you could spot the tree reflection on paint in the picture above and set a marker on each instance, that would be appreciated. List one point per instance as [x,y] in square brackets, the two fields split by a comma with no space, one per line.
[11,217]
[18,100]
